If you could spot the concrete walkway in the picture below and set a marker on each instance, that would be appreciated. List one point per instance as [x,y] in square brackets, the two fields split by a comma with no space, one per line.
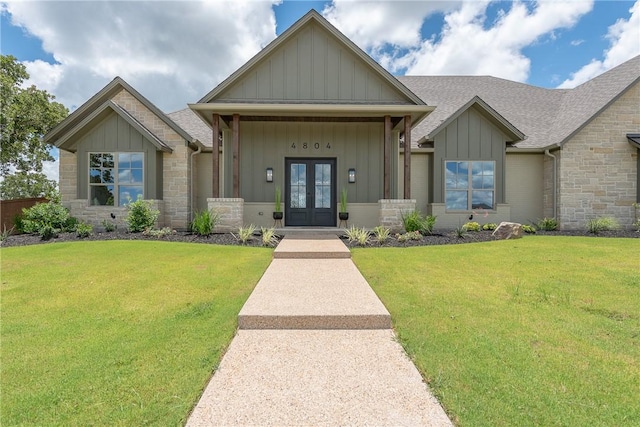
[315,348]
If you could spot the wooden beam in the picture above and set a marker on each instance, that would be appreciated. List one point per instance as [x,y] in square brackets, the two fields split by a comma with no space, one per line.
[387,157]
[215,182]
[235,128]
[312,119]
[407,157]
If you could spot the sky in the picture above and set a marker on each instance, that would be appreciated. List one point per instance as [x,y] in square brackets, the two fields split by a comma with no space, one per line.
[174,52]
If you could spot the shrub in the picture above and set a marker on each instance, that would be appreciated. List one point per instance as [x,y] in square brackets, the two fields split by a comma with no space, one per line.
[415,221]
[547,224]
[205,222]
[529,229]
[409,235]
[360,236]
[490,226]
[141,215]
[381,234]
[471,226]
[109,226]
[269,238]
[245,233]
[46,219]
[460,232]
[637,225]
[5,233]
[606,223]
[84,230]
[158,233]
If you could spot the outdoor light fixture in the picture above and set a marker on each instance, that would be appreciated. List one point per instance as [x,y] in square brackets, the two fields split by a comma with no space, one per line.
[269,174]
[352,175]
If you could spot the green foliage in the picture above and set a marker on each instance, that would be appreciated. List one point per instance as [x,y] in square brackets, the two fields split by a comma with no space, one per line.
[381,234]
[409,235]
[245,233]
[46,219]
[359,236]
[269,238]
[84,230]
[5,233]
[278,200]
[547,224]
[343,200]
[460,232]
[529,229]
[109,226]
[636,225]
[490,226]
[415,221]
[598,225]
[158,233]
[205,222]
[471,226]
[141,215]
[26,114]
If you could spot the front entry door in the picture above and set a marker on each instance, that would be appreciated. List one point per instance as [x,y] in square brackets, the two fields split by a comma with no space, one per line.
[310,193]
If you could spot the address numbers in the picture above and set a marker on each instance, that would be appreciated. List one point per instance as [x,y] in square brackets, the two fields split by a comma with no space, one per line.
[309,146]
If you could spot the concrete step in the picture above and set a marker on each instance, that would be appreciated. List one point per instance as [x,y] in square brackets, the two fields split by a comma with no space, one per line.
[313,294]
[311,247]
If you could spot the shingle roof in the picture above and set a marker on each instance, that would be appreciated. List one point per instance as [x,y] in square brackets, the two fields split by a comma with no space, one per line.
[193,124]
[546,116]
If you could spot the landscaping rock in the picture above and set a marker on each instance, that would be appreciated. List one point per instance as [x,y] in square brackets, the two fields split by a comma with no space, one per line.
[508,230]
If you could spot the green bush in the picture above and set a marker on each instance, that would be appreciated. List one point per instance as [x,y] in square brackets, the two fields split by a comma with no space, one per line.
[606,223]
[409,235]
[360,236]
[529,229]
[205,222]
[245,233]
[381,234]
[269,238]
[109,226]
[415,221]
[490,226]
[548,224]
[141,215]
[84,230]
[471,226]
[158,233]
[46,219]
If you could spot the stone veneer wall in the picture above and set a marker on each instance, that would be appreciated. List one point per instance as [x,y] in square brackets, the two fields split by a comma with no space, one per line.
[95,215]
[176,166]
[231,213]
[391,211]
[547,197]
[68,169]
[598,170]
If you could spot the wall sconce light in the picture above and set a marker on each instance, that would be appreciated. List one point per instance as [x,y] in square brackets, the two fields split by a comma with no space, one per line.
[352,175]
[220,139]
[269,174]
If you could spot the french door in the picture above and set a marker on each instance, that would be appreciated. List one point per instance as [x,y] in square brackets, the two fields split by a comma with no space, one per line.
[310,193]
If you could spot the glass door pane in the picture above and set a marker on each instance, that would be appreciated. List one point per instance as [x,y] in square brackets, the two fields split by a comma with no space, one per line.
[323,185]
[298,186]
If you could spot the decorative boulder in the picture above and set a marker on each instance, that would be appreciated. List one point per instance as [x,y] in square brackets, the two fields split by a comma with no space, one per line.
[508,230]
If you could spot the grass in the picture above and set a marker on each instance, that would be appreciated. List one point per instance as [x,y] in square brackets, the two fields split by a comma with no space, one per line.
[537,331]
[117,333]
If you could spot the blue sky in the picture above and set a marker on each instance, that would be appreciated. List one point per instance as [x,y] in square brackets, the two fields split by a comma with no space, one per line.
[174,52]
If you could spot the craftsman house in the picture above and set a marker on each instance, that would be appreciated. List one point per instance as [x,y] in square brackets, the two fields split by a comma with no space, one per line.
[312,114]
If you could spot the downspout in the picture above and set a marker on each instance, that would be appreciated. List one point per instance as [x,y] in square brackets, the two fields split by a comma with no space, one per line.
[191,198]
[555,182]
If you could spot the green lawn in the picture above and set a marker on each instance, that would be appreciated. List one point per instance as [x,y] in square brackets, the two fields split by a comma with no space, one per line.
[119,332]
[537,331]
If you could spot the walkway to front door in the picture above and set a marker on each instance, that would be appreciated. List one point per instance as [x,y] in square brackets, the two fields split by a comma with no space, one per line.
[310,192]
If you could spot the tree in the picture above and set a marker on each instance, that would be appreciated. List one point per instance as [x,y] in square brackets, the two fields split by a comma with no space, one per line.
[26,114]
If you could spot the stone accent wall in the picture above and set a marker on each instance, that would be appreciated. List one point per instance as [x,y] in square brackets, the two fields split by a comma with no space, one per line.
[391,211]
[231,213]
[598,173]
[68,168]
[548,186]
[95,215]
[176,166]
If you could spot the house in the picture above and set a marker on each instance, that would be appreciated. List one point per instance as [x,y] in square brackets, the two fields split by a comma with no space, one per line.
[312,114]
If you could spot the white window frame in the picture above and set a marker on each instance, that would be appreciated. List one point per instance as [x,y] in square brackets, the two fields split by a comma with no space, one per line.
[470,190]
[116,177]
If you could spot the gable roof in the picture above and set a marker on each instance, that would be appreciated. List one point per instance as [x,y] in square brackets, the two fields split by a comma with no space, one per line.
[547,117]
[190,121]
[311,16]
[98,100]
[67,140]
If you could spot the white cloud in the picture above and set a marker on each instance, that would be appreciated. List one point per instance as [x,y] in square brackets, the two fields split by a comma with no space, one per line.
[576,42]
[172,52]
[624,38]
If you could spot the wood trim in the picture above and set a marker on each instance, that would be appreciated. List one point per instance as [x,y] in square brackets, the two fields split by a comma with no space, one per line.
[216,156]
[387,157]
[407,157]
[312,119]
[235,128]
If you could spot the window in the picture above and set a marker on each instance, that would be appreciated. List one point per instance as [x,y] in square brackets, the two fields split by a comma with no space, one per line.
[115,178]
[469,185]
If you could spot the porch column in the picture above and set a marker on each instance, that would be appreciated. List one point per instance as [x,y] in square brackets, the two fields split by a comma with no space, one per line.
[216,157]
[387,157]
[407,157]
[235,127]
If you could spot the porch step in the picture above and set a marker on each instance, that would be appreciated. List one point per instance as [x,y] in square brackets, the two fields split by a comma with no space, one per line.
[313,294]
[311,246]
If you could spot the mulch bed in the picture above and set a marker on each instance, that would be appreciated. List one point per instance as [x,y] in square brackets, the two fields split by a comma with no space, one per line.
[439,238]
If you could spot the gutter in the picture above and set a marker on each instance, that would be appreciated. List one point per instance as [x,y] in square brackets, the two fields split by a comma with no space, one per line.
[555,182]
[191,198]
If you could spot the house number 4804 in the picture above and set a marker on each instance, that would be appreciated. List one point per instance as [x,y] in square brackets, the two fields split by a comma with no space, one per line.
[306,145]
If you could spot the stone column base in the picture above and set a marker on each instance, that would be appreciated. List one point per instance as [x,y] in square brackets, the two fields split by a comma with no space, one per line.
[391,211]
[231,212]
